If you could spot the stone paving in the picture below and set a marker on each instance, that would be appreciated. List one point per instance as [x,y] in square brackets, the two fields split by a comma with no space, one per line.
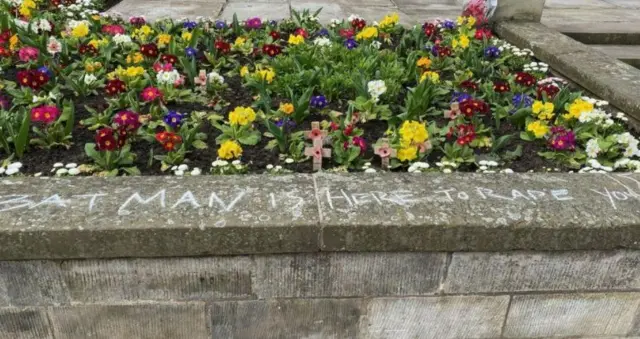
[603,15]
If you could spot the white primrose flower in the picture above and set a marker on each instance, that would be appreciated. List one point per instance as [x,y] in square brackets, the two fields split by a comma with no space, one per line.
[122,39]
[215,77]
[168,78]
[54,46]
[183,167]
[322,42]
[593,148]
[196,171]
[376,88]
[73,171]
[89,79]
[353,17]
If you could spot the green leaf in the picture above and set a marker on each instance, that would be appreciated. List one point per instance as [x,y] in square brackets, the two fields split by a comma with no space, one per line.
[69,111]
[249,138]
[21,141]
[501,142]
[199,144]
[132,170]
[526,136]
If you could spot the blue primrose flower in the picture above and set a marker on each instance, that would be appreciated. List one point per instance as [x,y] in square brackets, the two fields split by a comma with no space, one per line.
[448,24]
[521,101]
[45,70]
[290,123]
[220,24]
[190,52]
[318,101]
[173,119]
[323,32]
[273,23]
[350,44]
[189,24]
[460,97]
[492,52]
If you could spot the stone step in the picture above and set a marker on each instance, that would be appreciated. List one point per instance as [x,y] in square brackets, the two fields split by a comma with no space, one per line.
[626,53]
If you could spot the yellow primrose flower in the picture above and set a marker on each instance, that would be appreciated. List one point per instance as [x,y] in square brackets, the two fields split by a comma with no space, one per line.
[133,72]
[146,30]
[367,33]
[91,67]
[164,39]
[407,153]
[26,7]
[578,107]
[242,116]
[80,31]
[230,149]
[286,108]
[424,62]
[13,42]
[136,58]
[296,39]
[186,36]
[538,128]
[432,76]
[244,70]
[389,20]
[413,133]
[471,21]
[240,41]
[97,43]
[542,110]
[266,74]
[464,41]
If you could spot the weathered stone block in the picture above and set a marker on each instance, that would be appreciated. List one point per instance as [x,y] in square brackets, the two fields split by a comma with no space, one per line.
[348,274]
[142,321]
[158,279]
[287,318]
[24,323]
[568,315]
[530,10]
[435,317]
[543,271]
[31,283]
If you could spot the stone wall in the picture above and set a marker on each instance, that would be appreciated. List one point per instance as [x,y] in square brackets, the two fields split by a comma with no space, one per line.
[326,295]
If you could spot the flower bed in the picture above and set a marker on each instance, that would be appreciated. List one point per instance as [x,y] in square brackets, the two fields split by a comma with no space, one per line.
[84,93]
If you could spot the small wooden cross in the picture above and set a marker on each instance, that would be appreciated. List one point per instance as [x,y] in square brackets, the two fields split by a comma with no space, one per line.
[385,152]
[317,151]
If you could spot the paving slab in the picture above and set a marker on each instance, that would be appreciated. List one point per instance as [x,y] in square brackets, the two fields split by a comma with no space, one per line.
[250,9]
[580,4]
[154,10]
[628,53]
